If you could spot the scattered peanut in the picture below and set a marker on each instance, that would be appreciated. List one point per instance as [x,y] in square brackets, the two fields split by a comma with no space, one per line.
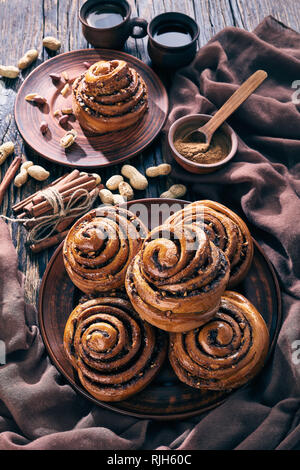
[38,172]
[118,199]
[97,178]
[63,120]
[67,111]
[126,190]
[44,127]
[113,182]
[9,71]
[26,165]
[51,43]
[56,112]
[22,176]
[35,98]
[65,75]
[175,191]
[39,100]
[27,59]
[29,168]
[55,77]
[65,89]
[30,96]
[136,179]
[68,139]
[162,169]
[106,196]
[6,149]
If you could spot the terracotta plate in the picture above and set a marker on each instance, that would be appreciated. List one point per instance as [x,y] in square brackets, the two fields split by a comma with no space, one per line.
[89,150]
[166,397]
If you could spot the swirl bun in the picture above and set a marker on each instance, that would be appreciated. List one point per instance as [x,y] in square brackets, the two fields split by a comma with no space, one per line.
[176,280]
[109,96]
[226,229]
[226,352]
[99,247]
[103,76]
[114,352]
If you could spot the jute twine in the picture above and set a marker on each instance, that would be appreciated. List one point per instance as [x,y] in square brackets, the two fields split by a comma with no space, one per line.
[79,203]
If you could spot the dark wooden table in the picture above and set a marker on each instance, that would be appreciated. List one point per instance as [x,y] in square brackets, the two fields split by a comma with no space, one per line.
[23,24]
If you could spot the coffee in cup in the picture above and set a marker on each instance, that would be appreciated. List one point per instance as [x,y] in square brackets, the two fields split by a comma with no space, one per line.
[108,24]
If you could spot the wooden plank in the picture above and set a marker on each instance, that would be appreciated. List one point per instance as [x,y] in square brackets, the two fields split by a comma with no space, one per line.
[248,14]
[138,47]
[20,29]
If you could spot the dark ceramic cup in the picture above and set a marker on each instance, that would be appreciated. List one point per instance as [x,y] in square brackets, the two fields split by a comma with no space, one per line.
[112,37]
[172,55]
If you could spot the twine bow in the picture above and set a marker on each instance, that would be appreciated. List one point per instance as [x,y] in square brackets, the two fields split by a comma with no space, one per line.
[46,225]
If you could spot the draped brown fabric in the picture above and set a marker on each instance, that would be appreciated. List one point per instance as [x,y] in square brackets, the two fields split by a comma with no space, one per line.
[38,410]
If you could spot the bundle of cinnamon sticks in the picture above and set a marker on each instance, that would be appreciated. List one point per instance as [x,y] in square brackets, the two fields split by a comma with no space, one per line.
[31,209]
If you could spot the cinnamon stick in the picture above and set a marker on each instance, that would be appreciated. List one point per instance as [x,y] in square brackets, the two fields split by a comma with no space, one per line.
[65,222]
[60,184]
[64,186]
[68,220]
[44,207]
[67,181]
[9,176]
[38,197]
[49,242]
[68,177]
[19,205]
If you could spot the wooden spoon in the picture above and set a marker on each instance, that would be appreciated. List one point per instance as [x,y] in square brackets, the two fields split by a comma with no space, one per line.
[205,132]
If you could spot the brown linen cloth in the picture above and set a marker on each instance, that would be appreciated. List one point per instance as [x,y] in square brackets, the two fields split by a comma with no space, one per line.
[38,410]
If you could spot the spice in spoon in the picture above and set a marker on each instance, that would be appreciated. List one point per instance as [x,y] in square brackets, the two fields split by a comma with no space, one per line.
[199,153]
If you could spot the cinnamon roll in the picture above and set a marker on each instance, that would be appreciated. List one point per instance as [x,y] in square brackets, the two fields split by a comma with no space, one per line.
[99,247]
[114,352]
[226,352]
[109,96]
[176,280]
[225,229]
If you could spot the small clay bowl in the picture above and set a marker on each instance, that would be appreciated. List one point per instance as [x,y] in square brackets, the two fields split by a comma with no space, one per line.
[193,121]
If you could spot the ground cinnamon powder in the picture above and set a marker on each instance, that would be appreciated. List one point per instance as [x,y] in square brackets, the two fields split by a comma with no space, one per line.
[195,151]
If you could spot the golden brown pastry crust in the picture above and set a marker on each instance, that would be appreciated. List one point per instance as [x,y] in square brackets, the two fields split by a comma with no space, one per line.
[226,352]
[99,247]
[114,352]
[176,280]
[109,97]
[226,229]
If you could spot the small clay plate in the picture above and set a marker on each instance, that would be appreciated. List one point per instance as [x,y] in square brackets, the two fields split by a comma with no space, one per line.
[89,151]
[166,398]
